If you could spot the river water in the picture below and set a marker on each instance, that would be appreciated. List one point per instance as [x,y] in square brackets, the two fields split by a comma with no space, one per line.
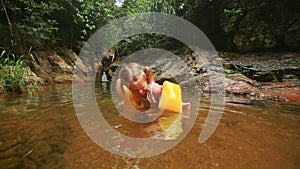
[44,132]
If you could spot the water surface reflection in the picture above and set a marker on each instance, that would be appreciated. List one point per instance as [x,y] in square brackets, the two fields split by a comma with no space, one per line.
[44,132]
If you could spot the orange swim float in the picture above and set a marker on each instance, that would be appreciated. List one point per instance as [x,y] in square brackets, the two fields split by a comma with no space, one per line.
[171,99]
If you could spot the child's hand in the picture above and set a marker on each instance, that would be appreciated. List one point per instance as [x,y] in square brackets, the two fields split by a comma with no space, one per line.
[186,106]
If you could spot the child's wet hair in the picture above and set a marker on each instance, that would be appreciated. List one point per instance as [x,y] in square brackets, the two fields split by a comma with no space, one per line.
[134,72]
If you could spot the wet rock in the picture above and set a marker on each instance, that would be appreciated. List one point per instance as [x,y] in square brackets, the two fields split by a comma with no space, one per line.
[62,78]
[264,67]
[240,77]
[31,76]
[50,65]
[172,71]
[237,86]
[281,91]
[60,63]
[54,68]
[195,62]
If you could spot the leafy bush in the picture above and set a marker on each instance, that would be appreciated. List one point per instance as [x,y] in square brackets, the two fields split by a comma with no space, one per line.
[31,22]
[13,74]
[91,15]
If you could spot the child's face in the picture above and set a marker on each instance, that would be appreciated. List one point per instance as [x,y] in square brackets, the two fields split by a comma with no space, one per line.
[139,88]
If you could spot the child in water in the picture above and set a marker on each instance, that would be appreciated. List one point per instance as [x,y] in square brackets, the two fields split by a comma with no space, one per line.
[140,81]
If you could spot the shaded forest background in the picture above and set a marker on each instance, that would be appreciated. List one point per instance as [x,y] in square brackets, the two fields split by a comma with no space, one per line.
[231,25]
[63,26]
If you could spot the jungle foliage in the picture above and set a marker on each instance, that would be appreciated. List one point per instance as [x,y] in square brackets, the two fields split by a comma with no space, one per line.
[42,24]
[33,25]
[46,23]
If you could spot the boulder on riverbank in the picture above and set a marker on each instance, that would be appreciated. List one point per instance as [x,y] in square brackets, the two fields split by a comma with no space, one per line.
[255,26]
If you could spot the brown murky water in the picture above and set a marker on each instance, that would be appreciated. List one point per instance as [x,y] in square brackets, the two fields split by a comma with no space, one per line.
[44,132]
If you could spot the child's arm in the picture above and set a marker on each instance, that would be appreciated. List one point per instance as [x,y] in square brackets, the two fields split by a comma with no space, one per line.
[119,91]
[157,91]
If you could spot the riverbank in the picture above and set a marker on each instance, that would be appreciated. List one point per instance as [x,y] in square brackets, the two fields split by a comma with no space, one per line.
[257,76]
[265,76]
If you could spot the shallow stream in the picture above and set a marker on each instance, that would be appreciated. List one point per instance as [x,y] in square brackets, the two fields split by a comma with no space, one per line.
[44,132]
